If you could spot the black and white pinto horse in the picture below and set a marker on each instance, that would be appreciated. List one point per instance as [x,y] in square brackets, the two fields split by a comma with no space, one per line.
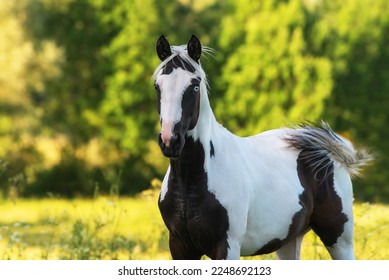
[225,196]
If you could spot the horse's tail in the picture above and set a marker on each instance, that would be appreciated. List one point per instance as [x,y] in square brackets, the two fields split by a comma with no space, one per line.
[320,142]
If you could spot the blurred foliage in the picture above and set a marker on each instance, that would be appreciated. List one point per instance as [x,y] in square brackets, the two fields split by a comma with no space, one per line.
[77,106]
[271,75]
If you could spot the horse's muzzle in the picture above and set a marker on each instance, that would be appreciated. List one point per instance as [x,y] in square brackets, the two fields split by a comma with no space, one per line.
[173,150]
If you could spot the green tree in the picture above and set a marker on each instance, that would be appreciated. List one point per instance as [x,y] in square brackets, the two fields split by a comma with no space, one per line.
[78,109]
[104,96]
[288,61]
[78,28]
[354,35]
[271,77]
[25,68]
[127,114]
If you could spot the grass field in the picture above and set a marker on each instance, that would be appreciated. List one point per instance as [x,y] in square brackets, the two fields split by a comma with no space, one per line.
[131,228]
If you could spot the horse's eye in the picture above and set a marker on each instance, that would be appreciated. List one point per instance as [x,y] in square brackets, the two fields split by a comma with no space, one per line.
[196,88]
[156,87]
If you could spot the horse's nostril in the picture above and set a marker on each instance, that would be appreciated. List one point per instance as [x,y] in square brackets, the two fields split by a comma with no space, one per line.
[174,140]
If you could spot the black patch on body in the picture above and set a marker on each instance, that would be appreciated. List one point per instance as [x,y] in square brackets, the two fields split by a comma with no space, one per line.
[327,219]
[177,62]
[197,222]
[321,206]
[212,151]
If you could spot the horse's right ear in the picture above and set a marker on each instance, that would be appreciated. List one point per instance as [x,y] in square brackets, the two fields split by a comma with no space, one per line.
[163,48]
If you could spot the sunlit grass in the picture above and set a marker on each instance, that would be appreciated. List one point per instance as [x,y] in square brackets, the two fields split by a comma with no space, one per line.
[104,228]
[132,228]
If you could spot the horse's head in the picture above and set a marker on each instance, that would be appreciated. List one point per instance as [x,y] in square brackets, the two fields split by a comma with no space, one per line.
[178,87]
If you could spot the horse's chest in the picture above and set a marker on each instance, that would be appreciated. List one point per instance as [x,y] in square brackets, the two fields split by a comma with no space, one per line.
[194,214]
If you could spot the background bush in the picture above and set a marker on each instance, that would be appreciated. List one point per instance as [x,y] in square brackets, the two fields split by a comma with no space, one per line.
[77,109]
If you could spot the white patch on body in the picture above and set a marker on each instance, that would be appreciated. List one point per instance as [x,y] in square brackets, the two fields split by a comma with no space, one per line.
[262,185]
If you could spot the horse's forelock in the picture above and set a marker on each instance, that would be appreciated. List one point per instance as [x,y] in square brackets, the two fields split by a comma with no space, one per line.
[181,52]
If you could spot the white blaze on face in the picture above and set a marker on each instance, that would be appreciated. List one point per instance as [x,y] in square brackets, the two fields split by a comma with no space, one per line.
[172,89]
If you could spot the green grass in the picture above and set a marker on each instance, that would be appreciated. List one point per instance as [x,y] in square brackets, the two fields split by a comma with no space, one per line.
[131,228]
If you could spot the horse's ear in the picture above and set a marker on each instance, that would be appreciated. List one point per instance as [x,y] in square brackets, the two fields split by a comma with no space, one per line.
[163,48]
[194,48]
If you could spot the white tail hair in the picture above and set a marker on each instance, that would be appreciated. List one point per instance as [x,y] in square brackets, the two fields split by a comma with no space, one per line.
[320,142]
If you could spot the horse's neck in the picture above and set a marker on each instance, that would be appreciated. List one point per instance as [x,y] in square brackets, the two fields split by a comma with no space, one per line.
[190,163]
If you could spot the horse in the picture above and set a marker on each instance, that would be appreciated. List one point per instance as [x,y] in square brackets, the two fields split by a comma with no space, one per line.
[226,196]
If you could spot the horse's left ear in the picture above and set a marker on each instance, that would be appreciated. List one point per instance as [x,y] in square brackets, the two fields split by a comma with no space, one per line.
[194,48]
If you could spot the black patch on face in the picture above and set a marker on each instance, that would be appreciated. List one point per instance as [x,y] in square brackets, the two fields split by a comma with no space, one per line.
[212,151]
[197,222]
[177,62]
[191,104]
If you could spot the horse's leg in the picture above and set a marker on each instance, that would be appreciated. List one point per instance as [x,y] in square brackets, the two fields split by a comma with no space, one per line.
[233,250]
[291,251]
[182,249]
[337,235]
[343,249]
[333,219]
